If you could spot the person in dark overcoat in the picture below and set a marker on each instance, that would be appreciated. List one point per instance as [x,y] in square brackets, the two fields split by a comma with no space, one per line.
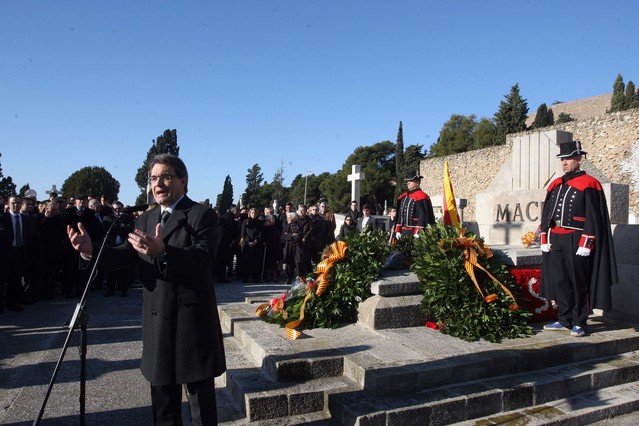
[53,236]
[292,255]
[182,338]
[19,253]
[252,247]
[271,235]
[578,264]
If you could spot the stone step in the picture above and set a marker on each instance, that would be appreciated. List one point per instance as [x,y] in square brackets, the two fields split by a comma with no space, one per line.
[347,372]
[500,398]
[262,398]
[414,377]
[417,358]
[586,408]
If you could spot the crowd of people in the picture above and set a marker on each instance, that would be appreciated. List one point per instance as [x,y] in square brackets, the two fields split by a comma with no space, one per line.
[252,245]
[264,245]
[256,246]
[37,257]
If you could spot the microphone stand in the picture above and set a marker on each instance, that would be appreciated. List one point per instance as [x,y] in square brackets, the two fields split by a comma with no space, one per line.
[82,318]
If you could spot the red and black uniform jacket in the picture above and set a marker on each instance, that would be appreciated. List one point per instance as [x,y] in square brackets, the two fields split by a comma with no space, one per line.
[576,202]
[415,212]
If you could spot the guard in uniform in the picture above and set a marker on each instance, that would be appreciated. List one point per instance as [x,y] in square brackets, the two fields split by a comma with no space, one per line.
[415,208]
[578,259]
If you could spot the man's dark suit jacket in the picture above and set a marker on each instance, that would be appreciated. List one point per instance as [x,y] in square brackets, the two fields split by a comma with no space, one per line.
[30,240]
[182,338]
[370,225]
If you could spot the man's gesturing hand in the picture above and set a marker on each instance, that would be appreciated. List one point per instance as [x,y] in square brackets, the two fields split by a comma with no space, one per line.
[147,244]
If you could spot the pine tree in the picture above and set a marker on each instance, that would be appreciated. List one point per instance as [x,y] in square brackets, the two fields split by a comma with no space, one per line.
[92,180]
[541,118]
[279,191]
[7,187]
[254,179]
[618,100]
[564,118]
[399,162]
[512,114]
[164,144]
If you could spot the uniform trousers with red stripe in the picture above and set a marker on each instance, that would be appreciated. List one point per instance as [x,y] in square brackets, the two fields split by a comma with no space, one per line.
[569,276]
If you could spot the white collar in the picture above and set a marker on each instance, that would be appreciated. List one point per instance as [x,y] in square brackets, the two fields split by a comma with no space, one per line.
[172,206]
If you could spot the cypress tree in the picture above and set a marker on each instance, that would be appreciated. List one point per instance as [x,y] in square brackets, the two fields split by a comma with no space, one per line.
[399,162]
[541,118]
[631,99]
[225,199]
[166,143]
[618,100]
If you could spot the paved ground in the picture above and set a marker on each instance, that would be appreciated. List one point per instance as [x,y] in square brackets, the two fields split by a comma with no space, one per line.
[31,344]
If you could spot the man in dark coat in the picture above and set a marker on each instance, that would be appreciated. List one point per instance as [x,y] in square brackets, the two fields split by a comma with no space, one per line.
[578,259]
[74,279]
[182,339]
[415,208]
[19,249]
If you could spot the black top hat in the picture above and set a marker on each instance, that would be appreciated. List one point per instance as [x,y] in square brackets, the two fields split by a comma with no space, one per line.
[570,149]
[413,175]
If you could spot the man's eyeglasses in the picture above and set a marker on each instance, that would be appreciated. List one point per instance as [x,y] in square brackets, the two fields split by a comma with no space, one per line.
[165,178]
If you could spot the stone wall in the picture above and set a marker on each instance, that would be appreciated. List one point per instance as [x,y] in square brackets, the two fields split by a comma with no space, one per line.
[612,141]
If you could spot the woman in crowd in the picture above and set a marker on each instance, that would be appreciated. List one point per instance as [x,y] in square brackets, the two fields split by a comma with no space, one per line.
[292,252]
[252,247]
[347,227]
[273,246]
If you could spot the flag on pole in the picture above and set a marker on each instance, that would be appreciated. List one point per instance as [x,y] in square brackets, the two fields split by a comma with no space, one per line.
[449,207]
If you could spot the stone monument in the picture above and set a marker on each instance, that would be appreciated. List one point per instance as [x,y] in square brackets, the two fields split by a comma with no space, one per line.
[512,203]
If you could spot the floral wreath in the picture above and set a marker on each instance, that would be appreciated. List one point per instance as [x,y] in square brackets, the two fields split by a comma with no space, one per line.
[304,287]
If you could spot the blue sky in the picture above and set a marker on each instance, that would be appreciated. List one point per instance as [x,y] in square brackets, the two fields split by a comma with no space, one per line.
[298,83]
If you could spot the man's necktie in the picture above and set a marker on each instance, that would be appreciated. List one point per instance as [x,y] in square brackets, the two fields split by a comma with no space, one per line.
[165,217]
[18,232]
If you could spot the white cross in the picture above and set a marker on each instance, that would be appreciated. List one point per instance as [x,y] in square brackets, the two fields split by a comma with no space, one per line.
[355,178]
[53,189]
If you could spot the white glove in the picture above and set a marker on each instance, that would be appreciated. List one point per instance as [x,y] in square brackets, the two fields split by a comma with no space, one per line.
[416,235]
[398,235]
[583,251]
[545,248]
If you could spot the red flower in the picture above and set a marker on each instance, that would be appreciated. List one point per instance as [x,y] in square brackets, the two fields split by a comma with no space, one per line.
[434,325]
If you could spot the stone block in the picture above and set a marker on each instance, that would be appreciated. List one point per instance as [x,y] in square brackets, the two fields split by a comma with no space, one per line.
[547,387]
[306,402]
[618,198]
[517,397]
[391,381]
[409,416]
[375,419]
[267,407]
[446,412]
[625,295]
[378,313]
[396,283]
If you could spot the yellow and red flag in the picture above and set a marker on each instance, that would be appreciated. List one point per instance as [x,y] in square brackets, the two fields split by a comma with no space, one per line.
[449,207]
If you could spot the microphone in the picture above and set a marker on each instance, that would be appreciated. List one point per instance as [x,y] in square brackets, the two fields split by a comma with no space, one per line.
[131,209]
